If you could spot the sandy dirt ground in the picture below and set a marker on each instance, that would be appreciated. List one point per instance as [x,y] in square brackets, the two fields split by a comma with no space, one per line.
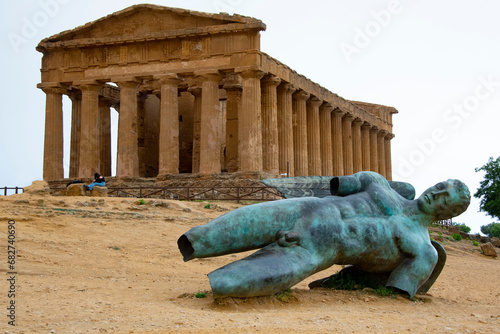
[111,265]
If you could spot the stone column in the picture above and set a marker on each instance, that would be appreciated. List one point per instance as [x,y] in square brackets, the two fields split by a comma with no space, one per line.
[373,149]
[388,154]
[357,145]
[76,117]
[209,123]
[233,92]
[168,158]
[53,168]
[347,143]
[127,162]
[250,122]
[313,136]
[381,152]
[337,145]
[285,128]
[300,133]
[196,91]
[105,137]
[365,145]
[325,115]
[89,137]
[270,160]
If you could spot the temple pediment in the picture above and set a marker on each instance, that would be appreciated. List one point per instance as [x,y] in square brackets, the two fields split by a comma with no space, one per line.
[149,22]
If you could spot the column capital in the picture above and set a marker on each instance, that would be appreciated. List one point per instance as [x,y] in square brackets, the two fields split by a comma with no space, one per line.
[382,133]
[357,122]
[52,87]
[287,87]
[375,129]
[301,95]
[326,107]
[348,117]
[366,126]
[248,72]
[337,112]
[389,136]
[209,75]
[314,101]
[126,81]
[88,85]
[54,90]
[168,78]
[271,80]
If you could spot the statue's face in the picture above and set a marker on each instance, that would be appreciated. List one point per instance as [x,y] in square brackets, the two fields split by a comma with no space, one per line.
[444,200]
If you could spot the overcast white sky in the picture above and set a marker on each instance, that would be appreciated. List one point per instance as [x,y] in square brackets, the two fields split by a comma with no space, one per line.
[437,62]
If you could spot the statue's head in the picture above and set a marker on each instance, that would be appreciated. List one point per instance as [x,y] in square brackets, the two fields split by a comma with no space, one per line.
[445,200]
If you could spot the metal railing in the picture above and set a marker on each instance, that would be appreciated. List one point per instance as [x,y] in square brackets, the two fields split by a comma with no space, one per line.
[443,223]
[192,193]
[6,190]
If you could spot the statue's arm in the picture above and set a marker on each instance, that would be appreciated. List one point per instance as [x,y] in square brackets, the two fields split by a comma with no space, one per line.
[416,267]
[405,189]
[355,183]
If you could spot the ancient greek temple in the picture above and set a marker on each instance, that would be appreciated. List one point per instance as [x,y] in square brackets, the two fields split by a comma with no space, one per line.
[195,94]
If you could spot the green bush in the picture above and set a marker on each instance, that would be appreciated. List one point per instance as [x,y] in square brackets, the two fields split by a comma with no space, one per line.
[457,237]
[475,243]
[384,291]
[207,206]
[491,230]
[200,295]
[464,228]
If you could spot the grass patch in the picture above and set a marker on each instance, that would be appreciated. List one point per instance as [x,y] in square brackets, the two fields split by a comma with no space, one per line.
[200,295]
[384,291]
[285,296]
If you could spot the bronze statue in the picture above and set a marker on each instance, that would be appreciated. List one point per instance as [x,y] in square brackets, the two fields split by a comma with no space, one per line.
[365,222]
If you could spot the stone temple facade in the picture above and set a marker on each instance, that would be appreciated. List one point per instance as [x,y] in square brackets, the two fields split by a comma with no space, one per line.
[196,95]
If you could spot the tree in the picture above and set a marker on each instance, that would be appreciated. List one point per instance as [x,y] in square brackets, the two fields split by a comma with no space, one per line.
[462,226]
[489,189]
[491,230]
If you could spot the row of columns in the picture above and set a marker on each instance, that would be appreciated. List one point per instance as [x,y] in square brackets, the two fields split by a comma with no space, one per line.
[314,138]
[271,126]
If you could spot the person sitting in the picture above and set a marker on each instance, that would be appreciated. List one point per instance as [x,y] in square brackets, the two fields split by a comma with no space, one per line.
[98,181]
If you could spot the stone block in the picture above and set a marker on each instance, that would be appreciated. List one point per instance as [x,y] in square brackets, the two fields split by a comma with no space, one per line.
[489,250]
[76,189]
[38,188]
[476,237]
[484,239]
[463,235]
[495,242]
[454,229]
[99,192]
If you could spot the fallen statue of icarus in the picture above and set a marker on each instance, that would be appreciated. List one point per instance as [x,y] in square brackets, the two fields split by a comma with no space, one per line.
[368,222]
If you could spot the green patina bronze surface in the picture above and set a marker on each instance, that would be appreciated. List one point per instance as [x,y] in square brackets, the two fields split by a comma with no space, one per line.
[369,223]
